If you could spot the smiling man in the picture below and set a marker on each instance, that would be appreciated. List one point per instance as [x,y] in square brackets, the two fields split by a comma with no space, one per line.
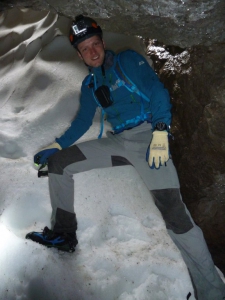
[137,106]
[92,51]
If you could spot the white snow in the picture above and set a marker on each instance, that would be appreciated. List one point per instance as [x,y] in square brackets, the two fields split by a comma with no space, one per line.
[124,251]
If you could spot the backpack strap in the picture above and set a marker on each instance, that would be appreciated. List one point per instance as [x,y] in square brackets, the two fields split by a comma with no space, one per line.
[126,81]
[91,83]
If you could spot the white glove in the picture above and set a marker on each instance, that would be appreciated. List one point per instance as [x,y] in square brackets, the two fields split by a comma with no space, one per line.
[54,145]
[158,149]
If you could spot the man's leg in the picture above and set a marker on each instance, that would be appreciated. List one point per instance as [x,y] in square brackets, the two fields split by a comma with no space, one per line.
[62,165]
[189,239]
[186,235]
[164,186]
[75,159]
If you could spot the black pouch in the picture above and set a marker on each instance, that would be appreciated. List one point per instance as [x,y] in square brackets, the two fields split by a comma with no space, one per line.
[103,95]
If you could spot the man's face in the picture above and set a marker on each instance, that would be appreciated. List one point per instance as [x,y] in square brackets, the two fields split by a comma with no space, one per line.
[92,51]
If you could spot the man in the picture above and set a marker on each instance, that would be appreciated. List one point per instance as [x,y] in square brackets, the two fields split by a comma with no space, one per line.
[138,107]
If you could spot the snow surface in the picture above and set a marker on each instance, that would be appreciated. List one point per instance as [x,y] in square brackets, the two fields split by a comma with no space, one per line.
[124,251]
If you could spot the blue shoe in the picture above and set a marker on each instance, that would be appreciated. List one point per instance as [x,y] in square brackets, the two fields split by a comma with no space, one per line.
[62,241]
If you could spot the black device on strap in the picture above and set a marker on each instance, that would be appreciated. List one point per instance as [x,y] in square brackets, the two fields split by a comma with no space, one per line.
[103,95]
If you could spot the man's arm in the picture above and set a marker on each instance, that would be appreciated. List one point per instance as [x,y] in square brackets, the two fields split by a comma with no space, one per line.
[82,121]
[78,127]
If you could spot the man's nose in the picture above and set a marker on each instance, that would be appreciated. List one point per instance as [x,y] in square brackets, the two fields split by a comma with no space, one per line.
[93,51]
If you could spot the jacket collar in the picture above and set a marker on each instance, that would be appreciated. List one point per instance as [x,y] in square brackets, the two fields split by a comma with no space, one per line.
[108,65]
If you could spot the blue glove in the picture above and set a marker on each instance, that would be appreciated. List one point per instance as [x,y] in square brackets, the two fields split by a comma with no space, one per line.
[41,158]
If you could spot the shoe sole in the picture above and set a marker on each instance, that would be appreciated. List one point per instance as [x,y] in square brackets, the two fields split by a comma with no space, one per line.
[61,248]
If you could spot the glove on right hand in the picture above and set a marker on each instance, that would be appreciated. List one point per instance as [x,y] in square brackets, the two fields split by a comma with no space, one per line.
[41,158]
[159,149]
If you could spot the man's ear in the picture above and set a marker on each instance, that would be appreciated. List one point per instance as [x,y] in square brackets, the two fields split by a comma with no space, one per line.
[103,42]
[80,56]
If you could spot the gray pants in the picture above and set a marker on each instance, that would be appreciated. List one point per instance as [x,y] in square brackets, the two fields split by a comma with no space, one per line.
[129,148]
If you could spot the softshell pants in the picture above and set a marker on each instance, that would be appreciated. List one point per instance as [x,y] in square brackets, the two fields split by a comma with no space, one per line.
[129,148]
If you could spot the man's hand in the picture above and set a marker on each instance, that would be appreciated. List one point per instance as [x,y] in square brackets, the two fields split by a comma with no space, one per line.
[158,149]
[41,158]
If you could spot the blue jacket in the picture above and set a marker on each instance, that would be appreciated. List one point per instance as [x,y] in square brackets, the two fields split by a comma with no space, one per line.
[126,105]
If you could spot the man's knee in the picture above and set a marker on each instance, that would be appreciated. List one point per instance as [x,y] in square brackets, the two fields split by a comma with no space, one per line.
[120,161]
[173,210]
[61,159]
